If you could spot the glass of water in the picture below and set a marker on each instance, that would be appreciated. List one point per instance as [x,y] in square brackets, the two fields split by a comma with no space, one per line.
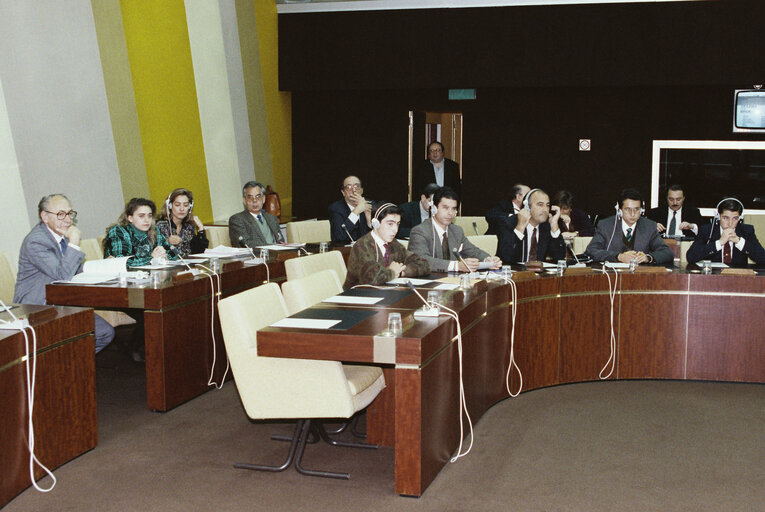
[394,324]
[264,255]
[323,246]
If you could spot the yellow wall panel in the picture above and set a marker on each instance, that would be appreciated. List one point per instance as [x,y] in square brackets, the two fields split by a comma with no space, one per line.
[166,100]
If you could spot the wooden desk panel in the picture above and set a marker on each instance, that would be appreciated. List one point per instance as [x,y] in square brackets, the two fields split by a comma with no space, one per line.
[177,325]
[65,413]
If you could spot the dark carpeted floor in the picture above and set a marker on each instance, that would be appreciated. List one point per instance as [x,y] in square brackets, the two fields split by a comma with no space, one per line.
[630,445]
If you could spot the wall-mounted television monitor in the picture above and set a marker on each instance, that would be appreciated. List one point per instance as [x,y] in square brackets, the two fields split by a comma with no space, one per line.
[749,110]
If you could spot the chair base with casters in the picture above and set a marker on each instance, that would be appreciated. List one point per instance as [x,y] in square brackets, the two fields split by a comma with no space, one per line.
[304,429]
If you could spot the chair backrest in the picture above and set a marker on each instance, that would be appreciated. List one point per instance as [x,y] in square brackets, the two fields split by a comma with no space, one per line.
[405,243]
[307,265]
[92,249]
[272,387]
[758,221]
[684,246]
[580,243]
[466,223]
[308,231]
[7,277]
[487,243]
[217,235]
[304,292]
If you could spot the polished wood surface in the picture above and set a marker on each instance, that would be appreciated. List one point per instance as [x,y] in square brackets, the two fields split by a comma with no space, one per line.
[667,325]
[178,324]
[65,411]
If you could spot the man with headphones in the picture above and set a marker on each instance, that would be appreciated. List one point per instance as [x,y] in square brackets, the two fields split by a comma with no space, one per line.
[629,236]
[444,245]
[437,169]
[727,239]
[529,235]
[416,212]
[378,257]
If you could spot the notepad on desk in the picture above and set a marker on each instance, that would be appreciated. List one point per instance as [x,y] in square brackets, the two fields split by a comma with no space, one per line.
[346,299]
[405,280]
[305,323]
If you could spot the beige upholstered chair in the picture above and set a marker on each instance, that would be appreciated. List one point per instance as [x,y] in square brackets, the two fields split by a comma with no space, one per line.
[92,249]
[405,243]
[7,277]
[217,235]
[304,292]
[466,223]
[487,243]
[281,388]
[580,243]
[306,265]
[308,231]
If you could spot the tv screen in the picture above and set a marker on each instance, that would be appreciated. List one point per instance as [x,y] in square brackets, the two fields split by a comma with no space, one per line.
[749,110]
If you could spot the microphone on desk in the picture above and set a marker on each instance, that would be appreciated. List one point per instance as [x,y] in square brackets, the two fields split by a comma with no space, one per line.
[349,234]
[571,248]
[175,251]
[475,227]
[268,272]
[456,252]
[241,241]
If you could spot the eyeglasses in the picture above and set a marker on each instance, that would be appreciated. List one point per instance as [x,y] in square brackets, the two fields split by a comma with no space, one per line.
[62,214]
[352,186]
[258,197]
[632,210]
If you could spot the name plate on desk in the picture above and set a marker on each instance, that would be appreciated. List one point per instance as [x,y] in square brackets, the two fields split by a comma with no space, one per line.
[738,272]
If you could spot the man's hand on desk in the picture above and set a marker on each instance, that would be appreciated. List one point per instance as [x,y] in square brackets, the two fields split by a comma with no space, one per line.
[628,256]
[729,235]
[496,263]
[397,268]
[472,265]
[660,227]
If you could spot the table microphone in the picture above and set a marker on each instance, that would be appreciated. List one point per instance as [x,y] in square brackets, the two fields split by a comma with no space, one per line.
[475,227]
[349,234]
[268,271]
[241,241]
[193,271]
[456,252]
[571,248]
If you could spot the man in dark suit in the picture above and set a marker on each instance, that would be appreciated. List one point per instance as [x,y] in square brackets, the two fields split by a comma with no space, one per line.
[528,236]
[437,239]
[253,226]
[51,252]
[352,214]
[416,212]
[437,169]
[727,240]
[676,219]
[628,236]
[506,208]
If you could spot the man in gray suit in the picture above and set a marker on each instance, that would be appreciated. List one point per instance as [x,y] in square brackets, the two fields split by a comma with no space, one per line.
[437,238]
[51,252]
[253,226]
[628,236]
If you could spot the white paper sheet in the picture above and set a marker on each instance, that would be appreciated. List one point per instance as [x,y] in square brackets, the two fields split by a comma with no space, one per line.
[305,323]
[106,266]
[346,299]
[614,264]
[446,286]
[404,280]
[286,247]
[717,264]
[222,250]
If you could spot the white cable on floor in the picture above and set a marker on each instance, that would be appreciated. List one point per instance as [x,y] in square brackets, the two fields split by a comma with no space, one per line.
[611,294]
[512,363]
[214,298]
[30,378]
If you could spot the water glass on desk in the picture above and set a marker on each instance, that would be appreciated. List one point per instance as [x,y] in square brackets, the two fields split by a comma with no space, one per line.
[706,266]
[215,265]
[561,268]
[323,246]
[394,324]
[264,255]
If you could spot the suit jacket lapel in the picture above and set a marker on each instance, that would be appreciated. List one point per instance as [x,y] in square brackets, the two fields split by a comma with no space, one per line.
[255,230]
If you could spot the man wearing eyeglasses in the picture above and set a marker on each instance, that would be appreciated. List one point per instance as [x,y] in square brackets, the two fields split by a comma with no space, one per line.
[350,218]
[51,252]
[254,227]
[628,236]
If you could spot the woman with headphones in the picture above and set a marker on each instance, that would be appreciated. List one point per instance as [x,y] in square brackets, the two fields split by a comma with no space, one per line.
[183,230]
[378,257]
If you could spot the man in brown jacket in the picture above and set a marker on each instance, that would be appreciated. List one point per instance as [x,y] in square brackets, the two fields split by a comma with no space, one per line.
[378,257]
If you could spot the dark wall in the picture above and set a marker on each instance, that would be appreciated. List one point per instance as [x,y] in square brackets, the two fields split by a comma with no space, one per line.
[621,75]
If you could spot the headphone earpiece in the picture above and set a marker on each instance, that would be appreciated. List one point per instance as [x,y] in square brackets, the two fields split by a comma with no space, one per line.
[376,220]
[618,211]
[717,209]
[526,198]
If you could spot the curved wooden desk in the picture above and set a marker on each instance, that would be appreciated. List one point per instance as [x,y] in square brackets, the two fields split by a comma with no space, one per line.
[672,325]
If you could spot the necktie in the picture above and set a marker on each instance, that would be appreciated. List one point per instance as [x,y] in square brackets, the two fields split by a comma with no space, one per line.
[673,223]
[727,254]
[445,247]
[629,234]
[533,246]
[63,243]
[386,255]
[260,218]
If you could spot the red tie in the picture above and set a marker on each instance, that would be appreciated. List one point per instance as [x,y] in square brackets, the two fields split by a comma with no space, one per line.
[386,256]
[533,246]
[727,256]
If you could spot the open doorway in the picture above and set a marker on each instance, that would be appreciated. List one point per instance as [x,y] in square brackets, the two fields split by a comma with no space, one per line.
[426,128]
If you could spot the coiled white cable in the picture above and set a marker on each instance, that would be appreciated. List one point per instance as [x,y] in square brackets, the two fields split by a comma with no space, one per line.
[512,363]
[612,341]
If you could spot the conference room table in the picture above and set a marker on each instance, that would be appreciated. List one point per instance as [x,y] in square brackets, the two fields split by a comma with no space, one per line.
[65,411]
[178,320]
[667,324]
